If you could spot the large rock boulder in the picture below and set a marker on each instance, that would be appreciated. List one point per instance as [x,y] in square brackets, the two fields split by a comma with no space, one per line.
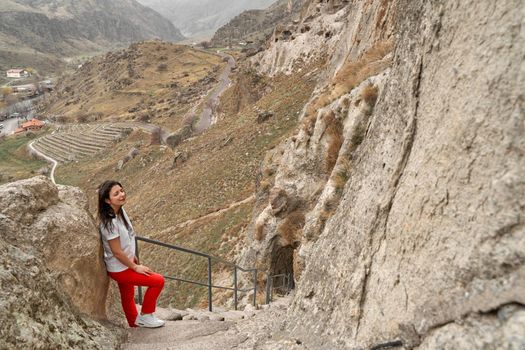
[52,276]
[55,223]
[36,314]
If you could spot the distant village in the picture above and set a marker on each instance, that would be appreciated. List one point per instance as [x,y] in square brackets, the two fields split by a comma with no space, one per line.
[32,88]
[19,87]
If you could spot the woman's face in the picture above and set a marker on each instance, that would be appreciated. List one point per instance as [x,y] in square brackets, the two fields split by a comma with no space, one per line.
[117,197]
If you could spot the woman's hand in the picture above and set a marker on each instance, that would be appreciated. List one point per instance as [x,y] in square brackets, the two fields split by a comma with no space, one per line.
[143,270]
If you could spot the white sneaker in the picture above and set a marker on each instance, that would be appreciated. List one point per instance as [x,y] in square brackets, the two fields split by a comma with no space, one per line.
[148,321]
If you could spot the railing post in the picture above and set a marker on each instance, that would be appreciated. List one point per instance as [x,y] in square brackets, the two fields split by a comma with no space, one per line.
[268,281]
[271,290]
[210,307]
[235,286]
[255,287]
[137,255]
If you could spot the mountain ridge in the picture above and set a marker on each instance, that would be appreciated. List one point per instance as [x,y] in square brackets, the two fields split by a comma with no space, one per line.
[202,16]
[64,28]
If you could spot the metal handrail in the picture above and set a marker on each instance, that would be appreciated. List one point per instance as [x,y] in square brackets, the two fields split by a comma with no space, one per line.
[286,285]
[210,284]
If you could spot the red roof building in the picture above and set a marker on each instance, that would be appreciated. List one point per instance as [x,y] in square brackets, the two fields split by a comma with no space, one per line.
[33,124]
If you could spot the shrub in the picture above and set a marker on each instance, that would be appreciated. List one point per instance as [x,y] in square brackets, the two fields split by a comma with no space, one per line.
[341,175]
[142,117]
[265,185]
[155,137]
[289,228]
[259,231]
[369,94]
[309,123]
[82,117]
[162,67]
[334,129]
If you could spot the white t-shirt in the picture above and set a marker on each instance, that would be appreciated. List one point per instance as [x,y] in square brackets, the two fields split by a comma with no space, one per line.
[117,228]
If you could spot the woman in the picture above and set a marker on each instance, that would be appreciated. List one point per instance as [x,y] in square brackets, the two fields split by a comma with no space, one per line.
[118,239]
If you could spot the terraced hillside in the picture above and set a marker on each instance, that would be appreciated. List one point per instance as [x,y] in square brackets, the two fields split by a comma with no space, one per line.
[77,142]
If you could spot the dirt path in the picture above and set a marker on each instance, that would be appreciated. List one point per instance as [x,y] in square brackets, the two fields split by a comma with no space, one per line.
[239,330]
[216,213]
[49,159]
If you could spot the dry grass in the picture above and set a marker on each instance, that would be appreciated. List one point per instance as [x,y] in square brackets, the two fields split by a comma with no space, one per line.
[309,123]
[341,175]
[289,229]
[259,231]
[324,215]
[265,185]
[351,74]
[369,94]
[268,171]
[345,103]
[334,129]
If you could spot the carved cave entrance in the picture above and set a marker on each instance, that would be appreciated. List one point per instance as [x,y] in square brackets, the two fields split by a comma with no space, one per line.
[282,264]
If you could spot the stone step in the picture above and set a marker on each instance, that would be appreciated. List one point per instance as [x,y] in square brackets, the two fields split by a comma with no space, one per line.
[185,335]
[92,139]
[109,130]
[68,146]
[106,134]
[58,150]
[74,140]
[243,333]
[45,150]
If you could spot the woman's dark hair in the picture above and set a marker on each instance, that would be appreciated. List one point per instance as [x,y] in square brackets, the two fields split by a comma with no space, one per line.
[105,212]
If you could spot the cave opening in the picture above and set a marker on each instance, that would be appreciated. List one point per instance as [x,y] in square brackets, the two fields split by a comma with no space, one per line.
[282,268]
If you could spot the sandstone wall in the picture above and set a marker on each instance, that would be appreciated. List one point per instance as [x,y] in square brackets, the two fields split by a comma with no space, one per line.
[416,234]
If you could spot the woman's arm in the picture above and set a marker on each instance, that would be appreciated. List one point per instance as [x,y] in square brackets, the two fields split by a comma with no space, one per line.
[114,245]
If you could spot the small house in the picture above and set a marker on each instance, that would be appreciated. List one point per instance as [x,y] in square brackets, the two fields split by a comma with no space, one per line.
[17,73]
[33,124]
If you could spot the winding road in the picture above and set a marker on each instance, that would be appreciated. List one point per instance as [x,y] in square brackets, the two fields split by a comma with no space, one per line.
[207,118]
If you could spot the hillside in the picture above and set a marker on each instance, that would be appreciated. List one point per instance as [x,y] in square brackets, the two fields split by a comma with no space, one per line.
[255,26]
[33,31]
[373,152]
[202,17]
[155,81]
[202,175]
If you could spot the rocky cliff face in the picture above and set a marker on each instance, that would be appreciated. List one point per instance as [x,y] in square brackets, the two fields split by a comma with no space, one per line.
[398,206]
[254,26]
[52,277]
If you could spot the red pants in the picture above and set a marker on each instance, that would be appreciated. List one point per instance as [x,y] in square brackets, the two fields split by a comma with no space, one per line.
[127,280]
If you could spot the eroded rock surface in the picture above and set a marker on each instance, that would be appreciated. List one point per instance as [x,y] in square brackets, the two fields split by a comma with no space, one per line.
[414,229]
[53,280]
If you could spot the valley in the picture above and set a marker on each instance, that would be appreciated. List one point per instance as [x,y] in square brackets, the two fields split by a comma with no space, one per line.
[365,157]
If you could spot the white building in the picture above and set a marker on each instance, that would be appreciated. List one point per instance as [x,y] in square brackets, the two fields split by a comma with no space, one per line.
[17,73]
